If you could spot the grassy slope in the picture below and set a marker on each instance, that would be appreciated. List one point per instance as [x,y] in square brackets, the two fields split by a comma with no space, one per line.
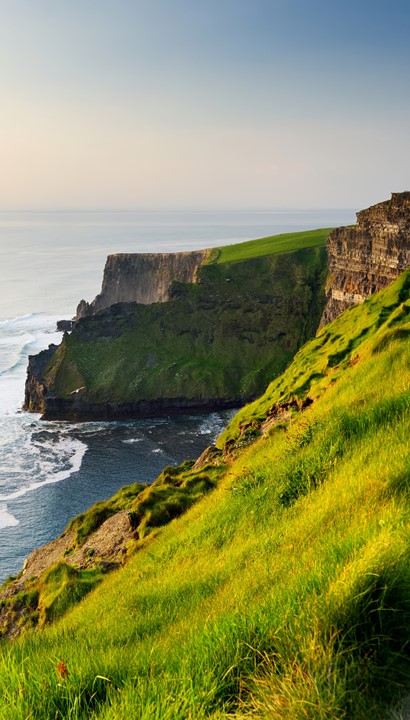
[284,593]
[286,242]
[223,338]
[324,359]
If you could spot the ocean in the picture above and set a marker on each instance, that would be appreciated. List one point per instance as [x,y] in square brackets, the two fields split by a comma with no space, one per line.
[49,261]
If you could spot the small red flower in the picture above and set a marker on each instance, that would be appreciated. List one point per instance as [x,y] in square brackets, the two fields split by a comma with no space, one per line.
[62,670]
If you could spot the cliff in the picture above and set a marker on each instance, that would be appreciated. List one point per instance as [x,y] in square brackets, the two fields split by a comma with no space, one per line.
[270,579]
[142,278]
[215,342]
[367,257]
[36,389]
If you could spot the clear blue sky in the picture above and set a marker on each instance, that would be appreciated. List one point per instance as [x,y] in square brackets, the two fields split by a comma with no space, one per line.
[218,103]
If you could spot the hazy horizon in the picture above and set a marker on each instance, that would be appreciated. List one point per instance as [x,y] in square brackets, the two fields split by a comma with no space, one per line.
[181,210]
[254,104]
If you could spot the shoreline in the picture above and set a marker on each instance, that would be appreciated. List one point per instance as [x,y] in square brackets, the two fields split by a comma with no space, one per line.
[80,410]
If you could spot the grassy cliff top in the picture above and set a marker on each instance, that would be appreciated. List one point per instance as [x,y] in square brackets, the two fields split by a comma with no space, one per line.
[220,339]
[272,245]
[284,592]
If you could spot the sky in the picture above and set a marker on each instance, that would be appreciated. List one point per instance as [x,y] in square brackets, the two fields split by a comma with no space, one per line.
[203,104]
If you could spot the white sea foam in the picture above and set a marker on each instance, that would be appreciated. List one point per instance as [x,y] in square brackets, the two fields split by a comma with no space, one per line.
[6,518]
[31,330]
[12,340]
[132,440]
[71,450]
[207,426]
[32,454]
[21,319]
[20,337]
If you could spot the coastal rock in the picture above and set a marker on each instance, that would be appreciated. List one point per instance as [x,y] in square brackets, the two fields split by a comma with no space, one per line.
[78,407]
[210,456]
[142,278]
[367,257]
[36,388]
[215,344]
[64,325]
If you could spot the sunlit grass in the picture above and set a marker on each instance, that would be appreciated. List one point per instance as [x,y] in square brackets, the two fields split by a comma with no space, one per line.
[285,242]
[285,592]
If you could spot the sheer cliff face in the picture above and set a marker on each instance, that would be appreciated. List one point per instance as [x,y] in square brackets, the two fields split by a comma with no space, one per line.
[367,257]
[215,344]
[142,278]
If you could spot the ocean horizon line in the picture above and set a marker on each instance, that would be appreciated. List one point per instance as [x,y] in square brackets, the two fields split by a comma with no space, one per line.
[178,211]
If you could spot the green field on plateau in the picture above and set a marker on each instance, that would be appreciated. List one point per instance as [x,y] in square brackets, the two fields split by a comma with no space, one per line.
[274,244]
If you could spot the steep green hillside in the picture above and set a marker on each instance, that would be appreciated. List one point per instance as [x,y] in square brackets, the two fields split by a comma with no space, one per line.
[285,592]
[216,343]
[326,358]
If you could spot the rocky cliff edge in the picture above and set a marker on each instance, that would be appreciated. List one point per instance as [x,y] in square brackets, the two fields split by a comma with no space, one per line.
[142,278]
[367,257]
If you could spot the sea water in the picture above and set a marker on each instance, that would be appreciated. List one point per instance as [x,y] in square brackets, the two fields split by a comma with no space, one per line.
[51,471]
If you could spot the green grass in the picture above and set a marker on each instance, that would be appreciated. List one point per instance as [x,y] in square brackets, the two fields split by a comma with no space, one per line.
[62,587]
[174,491]
[86,523]
[274,244]
[323,360]
[49,596]
[150,506]
[285,592]
[220,340]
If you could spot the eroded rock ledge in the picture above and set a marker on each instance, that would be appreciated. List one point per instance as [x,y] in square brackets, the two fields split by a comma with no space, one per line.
[142,278]
[367,257]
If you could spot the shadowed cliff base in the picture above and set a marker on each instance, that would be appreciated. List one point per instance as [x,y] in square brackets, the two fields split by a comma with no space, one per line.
[79,408]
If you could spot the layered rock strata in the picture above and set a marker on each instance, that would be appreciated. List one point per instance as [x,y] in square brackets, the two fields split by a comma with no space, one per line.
[367,257]
[142,278]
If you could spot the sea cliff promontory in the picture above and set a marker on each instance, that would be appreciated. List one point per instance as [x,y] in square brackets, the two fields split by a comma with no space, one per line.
[184,332]
[200,331]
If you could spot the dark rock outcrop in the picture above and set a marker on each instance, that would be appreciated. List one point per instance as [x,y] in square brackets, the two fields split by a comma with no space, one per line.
[142,278]
[367,257]
[36,388]
[78,407]
[64,325]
